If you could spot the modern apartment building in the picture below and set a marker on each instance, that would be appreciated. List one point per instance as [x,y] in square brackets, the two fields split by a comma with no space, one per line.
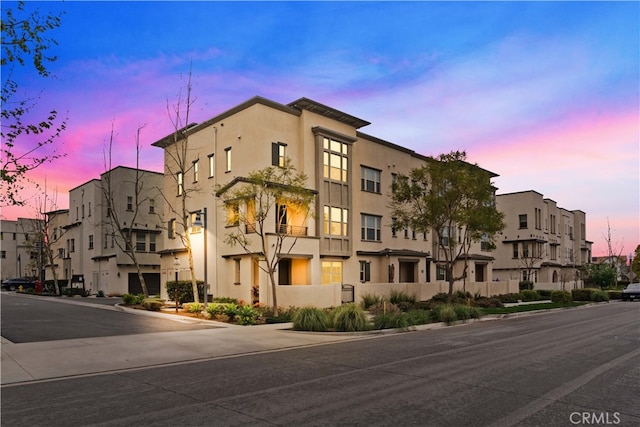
[348,241]
[20,253]
[85,240]
[541,243]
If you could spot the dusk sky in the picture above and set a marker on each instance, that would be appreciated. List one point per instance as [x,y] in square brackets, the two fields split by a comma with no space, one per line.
[545,94]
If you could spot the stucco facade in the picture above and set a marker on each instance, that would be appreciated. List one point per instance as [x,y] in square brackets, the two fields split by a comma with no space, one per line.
[87,254]
[542,242]
[19,251]
[349,240]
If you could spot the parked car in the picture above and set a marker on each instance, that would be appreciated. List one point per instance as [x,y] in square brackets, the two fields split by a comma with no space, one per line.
[631,292]
[15,283]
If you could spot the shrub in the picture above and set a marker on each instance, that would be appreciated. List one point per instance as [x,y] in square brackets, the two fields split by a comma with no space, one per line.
[130,299]
[562,297]
[311,319]
[370,299]
[440,297]
[384,308]
[194,308]
[488,303]
[184,290]
[583,294]
[247,315]
[525,285]
[349,318]
[463,312]
[226,300]
[475,312]
[545,293]
[152,304]
[399,297]
[285,315]
[509,298]
[100,294]
[599,296]
[391,321]
[419,317]
[445,313]
[230,310]
[530,295]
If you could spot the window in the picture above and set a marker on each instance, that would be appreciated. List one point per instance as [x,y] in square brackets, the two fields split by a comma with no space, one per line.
[227,162]
[61,253]
[334,160]
[538,218]
[335,221]
[71,245]
[485,243]
[369,179]
[195,170]
[3,254]
[553,224]
[212,165]
[82,211]
[370,227]
[89,214]
[152,206]
[278,153]
[171,229]
[180,179]
[441,272]
[91,241]
[447,237]
[129,203]
[331,272]
[236,262]
[515,251]
[522,218]
[152,242]
[233,214]
[554,252]
[394,227]
[365,271]
[525,250]
[106,239]
[141,242]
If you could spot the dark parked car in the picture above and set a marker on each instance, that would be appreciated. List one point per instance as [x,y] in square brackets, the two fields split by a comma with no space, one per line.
[631,292]
[13,284]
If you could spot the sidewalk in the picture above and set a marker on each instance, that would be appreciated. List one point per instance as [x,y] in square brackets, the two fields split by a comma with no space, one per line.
[26,362]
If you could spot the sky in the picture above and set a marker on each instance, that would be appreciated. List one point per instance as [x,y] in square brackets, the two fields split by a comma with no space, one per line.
[544,94]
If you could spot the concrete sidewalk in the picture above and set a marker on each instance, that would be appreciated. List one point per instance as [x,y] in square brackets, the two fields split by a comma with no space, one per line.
[28,362]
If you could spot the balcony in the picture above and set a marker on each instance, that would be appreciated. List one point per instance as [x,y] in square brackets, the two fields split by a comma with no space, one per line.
[293,230]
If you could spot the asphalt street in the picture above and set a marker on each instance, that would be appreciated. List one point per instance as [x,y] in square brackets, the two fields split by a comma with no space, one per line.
[569,367]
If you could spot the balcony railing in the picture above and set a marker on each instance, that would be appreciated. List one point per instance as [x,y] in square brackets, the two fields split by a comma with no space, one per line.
[292,230]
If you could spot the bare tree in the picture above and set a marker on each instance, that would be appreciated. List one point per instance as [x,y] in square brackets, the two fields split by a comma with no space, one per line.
[533,254]
[49,234]
[177,167]
[123,235]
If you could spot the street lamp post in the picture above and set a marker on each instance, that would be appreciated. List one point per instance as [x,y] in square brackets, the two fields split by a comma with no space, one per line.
[201,221]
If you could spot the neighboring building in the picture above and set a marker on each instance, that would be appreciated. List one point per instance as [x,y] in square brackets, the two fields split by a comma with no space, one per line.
[541,243]
[86,242]
[20,253]
[619,262]
[348,241]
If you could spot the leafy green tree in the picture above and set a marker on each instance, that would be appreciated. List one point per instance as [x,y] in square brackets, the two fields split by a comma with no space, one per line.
[446,195]
[264,205]
[600,275]
[25,37]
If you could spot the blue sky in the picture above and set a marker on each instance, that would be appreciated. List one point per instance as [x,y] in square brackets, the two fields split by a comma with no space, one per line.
[545,94]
